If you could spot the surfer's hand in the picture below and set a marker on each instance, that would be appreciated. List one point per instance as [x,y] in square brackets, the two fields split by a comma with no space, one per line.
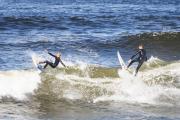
[129,61]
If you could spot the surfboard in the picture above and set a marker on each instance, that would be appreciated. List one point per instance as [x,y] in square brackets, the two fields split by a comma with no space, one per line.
[38,66]
[123,72]
[121,61]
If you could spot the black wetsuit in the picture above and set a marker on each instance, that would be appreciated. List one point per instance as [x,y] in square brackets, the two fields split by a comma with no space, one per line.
[140,59]
[53,65]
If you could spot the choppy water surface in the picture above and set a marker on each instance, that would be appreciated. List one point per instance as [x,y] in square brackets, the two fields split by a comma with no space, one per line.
[88,34]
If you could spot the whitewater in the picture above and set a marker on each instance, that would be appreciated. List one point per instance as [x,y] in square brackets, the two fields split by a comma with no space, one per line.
[156,84]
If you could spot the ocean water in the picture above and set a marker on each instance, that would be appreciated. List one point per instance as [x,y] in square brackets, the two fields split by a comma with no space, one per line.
[88,33]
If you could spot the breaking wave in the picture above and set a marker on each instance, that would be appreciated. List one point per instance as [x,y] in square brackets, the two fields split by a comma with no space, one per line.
[158,82]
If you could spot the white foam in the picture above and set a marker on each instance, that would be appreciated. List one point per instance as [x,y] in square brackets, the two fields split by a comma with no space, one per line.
[72,94]
[135,90]
[17,84]
[128,88]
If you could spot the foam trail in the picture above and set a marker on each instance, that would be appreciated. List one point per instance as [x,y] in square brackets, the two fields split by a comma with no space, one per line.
[17,84]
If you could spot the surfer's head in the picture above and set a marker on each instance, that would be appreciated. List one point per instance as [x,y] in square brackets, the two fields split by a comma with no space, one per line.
[141,46]
[58,54]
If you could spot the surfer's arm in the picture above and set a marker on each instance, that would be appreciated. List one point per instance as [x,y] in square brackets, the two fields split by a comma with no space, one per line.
[135,54]
[62,63]
[51,54]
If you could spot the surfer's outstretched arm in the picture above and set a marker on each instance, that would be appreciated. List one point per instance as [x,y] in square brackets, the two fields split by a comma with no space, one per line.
[62,63]
[51,54]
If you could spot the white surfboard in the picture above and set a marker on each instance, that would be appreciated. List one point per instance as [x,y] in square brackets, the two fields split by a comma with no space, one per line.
[123,72]
[36,61]
[121,61]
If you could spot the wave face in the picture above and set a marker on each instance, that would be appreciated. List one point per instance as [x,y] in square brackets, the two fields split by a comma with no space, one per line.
[157,84]
[164,45]
[95,84]
[157,87]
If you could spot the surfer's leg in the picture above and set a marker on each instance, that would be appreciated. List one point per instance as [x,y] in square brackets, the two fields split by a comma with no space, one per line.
[52,65]
[135,60]
[48,63]
[41,62]
[138,67]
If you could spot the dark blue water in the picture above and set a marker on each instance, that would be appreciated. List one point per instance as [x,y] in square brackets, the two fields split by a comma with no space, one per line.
[89,31]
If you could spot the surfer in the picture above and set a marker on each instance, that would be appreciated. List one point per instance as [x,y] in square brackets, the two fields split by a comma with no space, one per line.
[55,64]
[140,59]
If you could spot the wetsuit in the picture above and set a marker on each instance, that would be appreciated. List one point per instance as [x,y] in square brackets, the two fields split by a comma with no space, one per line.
[53,65]
[140,59]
